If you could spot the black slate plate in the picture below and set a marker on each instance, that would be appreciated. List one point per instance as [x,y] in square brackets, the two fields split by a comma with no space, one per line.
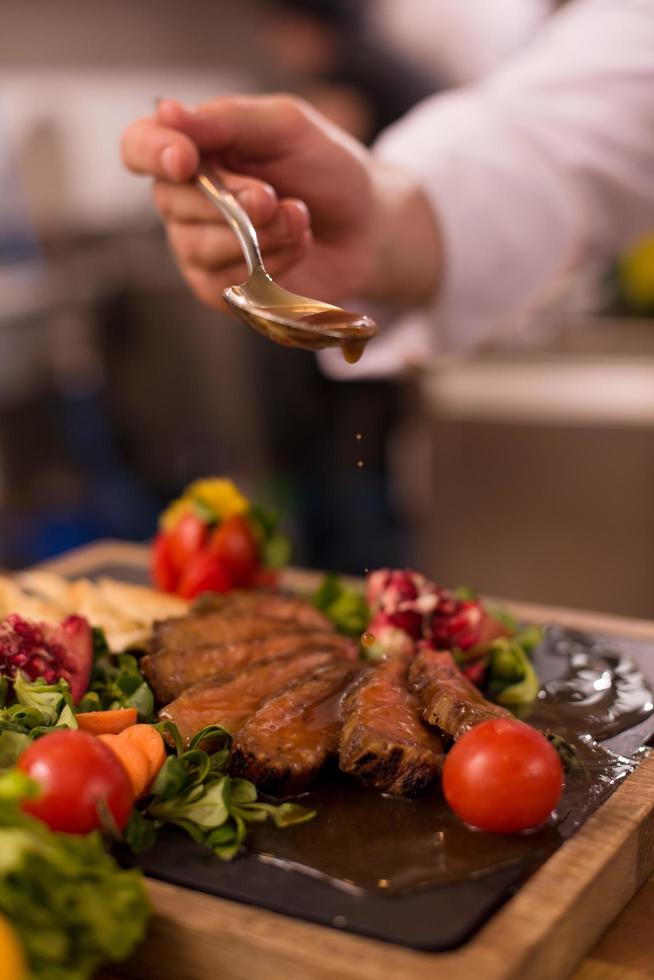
[433,918]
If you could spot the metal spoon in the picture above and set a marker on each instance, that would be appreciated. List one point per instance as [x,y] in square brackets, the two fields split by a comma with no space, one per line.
[286,318]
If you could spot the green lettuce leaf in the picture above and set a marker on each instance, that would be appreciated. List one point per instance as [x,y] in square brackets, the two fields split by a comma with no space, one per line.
[72,906]
[116,682]
[513,682]
[345,606]
[275,547]
[38,708]
[193,791]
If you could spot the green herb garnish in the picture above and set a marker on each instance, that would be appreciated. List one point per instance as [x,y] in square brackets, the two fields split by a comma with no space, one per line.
[37,708]
[513,681]
[345,606]
[116,682]
[275,547]
[194,792]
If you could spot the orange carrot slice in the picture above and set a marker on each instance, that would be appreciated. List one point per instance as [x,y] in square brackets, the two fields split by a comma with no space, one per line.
[134,760]
[147,738]
[106,722]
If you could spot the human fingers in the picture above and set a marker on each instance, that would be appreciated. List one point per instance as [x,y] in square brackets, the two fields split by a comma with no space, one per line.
[147,147]
[208,285]
[213,246]
[184,202]
[259,127]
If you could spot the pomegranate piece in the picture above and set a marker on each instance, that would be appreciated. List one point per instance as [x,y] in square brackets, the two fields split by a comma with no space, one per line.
[400,599]
[408,610]
[48,650]
[456,622]
[476,672]
[388,637]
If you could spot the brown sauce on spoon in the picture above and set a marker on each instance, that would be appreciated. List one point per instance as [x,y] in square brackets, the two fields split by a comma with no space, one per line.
[349,331]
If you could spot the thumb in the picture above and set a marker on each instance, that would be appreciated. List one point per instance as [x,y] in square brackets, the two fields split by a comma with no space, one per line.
[258,128]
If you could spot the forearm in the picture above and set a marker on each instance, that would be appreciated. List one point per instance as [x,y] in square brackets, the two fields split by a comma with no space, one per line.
[406,242]
[547,165]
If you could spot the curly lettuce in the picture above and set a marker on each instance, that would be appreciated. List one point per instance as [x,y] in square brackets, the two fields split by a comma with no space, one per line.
[71,905]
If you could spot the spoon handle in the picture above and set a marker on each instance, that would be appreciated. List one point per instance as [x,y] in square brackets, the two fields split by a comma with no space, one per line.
[236,216]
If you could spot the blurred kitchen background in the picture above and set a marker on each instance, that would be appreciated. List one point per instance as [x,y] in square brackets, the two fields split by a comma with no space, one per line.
[526,470]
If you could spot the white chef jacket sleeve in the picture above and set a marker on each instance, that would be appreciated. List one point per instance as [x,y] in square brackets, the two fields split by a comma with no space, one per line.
[546,164]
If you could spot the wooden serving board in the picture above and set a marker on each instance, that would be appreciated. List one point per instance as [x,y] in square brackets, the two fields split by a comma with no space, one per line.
[540,934]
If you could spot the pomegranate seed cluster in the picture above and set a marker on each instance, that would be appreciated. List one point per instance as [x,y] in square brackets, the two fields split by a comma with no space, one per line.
[408,611]
[24,647]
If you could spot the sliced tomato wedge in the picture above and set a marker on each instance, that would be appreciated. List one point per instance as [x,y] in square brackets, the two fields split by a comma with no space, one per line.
[204,573]
[234,545]
[164,573]
[186,539]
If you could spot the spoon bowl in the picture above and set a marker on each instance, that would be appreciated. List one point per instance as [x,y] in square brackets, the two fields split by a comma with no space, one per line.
[284,317]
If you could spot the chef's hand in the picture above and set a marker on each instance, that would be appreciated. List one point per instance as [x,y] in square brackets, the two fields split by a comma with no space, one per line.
[332,221]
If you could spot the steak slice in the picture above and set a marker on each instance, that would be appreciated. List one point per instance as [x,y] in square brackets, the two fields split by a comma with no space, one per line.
[285,744]
[383,740]
[171,671]
[186,632]
[230,699]
[263,602]
[450,701]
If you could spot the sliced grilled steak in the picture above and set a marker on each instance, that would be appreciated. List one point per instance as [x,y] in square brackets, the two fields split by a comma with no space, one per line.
[263,602]
[450,701]
[233,626]
[230,699]
[171,671]
[383,741]
[285,744]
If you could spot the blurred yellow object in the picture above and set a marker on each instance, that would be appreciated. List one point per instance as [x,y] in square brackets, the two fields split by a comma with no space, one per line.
[636,272]
[12,959]
[174,511]
[219,496]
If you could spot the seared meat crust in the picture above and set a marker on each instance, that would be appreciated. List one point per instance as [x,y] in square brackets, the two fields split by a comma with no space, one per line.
[170,672]
[214,617]
[263,602]
[449,700]
[229,626]
[383,741]
[285,744]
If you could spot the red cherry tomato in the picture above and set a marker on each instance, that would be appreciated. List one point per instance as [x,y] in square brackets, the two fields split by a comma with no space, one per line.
[233,544]
[503,776]
[204,573]
[164,574]
[80,778]
[186,539]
